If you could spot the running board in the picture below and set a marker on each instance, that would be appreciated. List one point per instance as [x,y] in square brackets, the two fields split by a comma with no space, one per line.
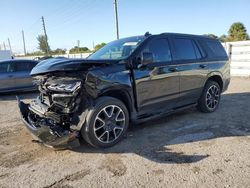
[147,117]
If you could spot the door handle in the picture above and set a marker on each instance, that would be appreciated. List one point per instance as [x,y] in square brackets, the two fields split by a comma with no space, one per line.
[203,66]
[173,69]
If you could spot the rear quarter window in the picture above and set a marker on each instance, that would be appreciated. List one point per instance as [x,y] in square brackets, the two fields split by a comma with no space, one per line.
[214,48]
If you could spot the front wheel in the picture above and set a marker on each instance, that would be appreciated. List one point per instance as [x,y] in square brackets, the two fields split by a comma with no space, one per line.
[210,98]
[106,123]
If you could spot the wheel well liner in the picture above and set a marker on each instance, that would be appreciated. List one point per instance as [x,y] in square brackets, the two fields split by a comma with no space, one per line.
[122,96]
[217,79]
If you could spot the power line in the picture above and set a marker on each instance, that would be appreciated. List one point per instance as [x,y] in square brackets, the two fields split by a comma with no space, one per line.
[69,15]
[74,15]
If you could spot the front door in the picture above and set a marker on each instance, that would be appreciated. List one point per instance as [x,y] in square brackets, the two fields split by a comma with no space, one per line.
[22,74]
[6,76]
[156,84]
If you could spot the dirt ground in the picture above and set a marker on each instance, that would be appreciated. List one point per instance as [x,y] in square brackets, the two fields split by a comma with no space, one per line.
[187,149]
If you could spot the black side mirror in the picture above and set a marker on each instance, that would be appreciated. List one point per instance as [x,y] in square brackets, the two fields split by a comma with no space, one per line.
[147,58]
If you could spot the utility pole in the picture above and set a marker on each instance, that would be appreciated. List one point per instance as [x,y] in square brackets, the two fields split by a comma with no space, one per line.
[9,45]
[78,45]
[45,34]
[24,46]
[93,43]
[4,47]
[116,19]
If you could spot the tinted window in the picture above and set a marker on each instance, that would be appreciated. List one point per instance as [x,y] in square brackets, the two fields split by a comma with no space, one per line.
[160,50]
[197,51]
[4,67]
[216,48]
[200,49]
[23,66]
[184,49]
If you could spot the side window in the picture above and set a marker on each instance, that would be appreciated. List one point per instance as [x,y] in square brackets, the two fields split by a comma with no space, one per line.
[160,50]
[184,49]
[22,66]
[197,51]
[216,48]
[4,67]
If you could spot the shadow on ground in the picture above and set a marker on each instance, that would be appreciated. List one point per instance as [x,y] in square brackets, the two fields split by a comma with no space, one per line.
[153,139]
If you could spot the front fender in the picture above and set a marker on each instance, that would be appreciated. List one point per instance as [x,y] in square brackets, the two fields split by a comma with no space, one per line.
[101,81]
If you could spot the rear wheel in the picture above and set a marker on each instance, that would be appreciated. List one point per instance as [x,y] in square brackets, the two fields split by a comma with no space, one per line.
[106,123]
[210,98]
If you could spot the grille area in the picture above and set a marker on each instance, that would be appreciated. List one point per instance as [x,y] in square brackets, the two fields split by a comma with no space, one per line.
[45,99]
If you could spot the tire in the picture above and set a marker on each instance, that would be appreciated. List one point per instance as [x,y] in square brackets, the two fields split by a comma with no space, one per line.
[106,123]
[210,98]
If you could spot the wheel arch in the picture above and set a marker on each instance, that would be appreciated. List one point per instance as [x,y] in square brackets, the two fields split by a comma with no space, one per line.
[216,77]
[122,95]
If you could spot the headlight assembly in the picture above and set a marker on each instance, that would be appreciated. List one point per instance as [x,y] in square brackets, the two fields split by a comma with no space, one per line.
[65,87]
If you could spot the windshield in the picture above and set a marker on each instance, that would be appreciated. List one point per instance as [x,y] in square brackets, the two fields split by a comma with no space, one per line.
[118,49]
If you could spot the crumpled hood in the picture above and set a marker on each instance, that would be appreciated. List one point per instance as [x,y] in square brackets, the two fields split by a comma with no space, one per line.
[65,64]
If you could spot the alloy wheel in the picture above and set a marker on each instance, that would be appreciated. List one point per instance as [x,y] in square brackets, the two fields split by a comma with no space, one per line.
[109,123]
[212,97]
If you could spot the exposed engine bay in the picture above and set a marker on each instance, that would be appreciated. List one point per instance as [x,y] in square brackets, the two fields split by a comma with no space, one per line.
[58,97]
[57,107]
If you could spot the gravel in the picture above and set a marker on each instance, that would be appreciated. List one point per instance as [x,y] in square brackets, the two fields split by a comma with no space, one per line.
[187,149]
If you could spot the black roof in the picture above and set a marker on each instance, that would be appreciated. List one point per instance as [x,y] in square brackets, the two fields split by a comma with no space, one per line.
[185,35]
[147,34]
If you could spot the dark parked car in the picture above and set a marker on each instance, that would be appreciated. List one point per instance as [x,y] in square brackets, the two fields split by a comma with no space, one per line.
[133,79]
[15,75]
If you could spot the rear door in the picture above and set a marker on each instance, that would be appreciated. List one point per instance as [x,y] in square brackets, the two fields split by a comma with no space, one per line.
[192,69]
[6,76]
[22,76]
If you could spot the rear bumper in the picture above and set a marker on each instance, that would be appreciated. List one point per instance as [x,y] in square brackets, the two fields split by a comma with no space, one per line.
[226,84]
[50,135]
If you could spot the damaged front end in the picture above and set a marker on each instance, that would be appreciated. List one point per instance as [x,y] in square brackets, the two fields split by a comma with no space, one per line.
[54,116]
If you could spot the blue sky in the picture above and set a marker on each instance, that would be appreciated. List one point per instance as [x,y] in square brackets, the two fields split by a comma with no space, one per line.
[93,20]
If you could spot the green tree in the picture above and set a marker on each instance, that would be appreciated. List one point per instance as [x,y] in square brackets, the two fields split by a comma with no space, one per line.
[77,49]
[211,36]
[42,44]
[98,46]
[36,53]
[59,51]
[223,38]
[237,32]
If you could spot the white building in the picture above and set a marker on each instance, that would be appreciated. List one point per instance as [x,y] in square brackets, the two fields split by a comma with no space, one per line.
[5,54]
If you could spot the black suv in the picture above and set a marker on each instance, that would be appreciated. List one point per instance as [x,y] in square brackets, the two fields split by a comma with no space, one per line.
[129,80]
